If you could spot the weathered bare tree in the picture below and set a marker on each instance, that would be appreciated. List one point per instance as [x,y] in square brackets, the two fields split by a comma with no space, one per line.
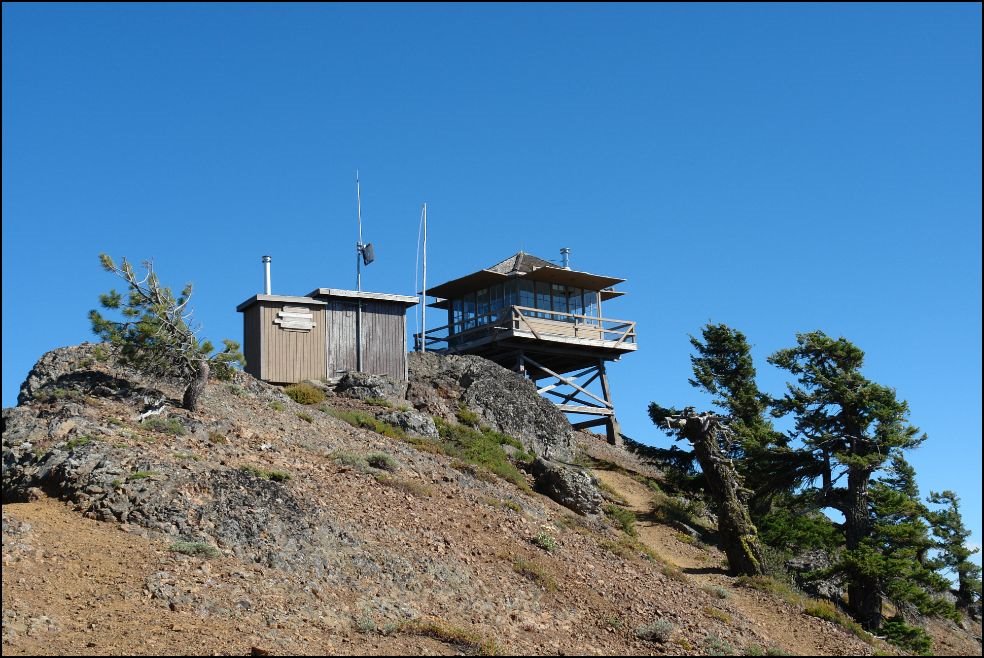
[155,335]
[707,432]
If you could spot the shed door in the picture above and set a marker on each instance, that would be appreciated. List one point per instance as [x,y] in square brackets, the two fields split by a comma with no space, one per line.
[341,338]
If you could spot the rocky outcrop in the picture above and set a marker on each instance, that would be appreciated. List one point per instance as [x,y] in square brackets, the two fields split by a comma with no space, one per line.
[568,485]
[502,399]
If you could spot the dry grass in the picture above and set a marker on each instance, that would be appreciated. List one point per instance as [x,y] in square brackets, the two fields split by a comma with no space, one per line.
[458,635]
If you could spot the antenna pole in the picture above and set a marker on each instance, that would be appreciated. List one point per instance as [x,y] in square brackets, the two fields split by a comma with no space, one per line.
[423,306]
[358,277]
[358,245]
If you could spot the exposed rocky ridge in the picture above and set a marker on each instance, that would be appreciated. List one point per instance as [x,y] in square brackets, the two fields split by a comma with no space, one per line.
[332,560]
[503,400]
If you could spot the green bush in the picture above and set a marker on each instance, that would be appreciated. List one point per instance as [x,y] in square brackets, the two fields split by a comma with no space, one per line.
[660,631]
[382,461]
[196,548]
[910,638]
[264,474]
[482,448]
[467,417]
[367,421]
[624,518]
[305,417]
[78,442]
[166,425]
[545,541]
[305,394]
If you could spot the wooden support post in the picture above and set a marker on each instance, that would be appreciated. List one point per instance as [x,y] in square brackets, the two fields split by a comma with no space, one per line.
[614,431]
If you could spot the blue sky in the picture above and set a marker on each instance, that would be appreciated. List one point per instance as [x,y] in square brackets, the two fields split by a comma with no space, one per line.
[778,168]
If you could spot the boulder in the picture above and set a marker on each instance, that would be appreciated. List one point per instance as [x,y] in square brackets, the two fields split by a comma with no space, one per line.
[568,485]
[412,422]
[806,569]
[365,386]
[504,400]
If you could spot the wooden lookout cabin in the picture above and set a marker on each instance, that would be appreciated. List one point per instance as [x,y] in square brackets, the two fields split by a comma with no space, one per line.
[543,320]
[324,334]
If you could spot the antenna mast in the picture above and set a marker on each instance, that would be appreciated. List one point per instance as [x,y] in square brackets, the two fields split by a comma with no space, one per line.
[423,305]
[358,245]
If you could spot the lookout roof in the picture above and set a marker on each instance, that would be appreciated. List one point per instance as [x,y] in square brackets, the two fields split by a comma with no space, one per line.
[522,264]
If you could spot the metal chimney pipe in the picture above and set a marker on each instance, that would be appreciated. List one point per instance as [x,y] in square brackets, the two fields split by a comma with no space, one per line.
[266,277]
[565,257]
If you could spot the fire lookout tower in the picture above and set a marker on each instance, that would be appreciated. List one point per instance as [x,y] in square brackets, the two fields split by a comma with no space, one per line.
[542,320]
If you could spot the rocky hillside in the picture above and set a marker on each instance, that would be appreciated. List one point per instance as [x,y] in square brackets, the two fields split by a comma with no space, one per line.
[382,519]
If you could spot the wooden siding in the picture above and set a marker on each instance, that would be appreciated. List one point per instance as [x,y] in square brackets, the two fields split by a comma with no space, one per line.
[341,337]
[290,355]
[384,338]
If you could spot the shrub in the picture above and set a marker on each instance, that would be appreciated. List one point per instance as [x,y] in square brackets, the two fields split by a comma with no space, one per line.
[910,638]
[482,448]
[716,592]
[624,518]
[363,420]
[141,475]
[660,631]
[78,442]
[277,405]
[535,572]
[545,541]
[195,548]
[217,438]
[445,632]
[305,417]
[305,394]
[379,402]
[382,461]
[720,615]
[717,647]
[167,426]
[263,474]
[412,487]
[467,417]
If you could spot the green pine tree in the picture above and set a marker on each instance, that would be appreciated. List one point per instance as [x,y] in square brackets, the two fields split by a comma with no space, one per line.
[154,335]
[951,534]
[850,425]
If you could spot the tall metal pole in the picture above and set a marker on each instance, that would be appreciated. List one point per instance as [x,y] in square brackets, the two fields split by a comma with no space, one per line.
[423,306]
[358,277]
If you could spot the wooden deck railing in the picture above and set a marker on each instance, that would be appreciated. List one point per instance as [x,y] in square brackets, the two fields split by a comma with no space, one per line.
[535,321]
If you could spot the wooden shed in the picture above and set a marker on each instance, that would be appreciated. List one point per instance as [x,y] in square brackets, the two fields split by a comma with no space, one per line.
[325,334]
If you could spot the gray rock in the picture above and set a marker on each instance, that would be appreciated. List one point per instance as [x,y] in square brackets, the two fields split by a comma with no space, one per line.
[366,387]
[568,485]
[412,422]
[503,400]
[807,569]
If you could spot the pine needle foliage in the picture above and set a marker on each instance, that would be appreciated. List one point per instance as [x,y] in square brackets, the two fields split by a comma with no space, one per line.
[154,334]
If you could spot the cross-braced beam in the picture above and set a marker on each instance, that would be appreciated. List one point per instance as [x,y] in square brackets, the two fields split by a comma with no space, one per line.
[573,396]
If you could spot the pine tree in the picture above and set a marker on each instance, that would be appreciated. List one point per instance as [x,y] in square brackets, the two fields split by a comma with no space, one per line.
[154,335]
[949,530]
[895,553]
[851,426]
[723,367]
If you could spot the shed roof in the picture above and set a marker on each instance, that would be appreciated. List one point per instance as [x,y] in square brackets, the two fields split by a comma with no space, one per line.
[336,293]
[287,299]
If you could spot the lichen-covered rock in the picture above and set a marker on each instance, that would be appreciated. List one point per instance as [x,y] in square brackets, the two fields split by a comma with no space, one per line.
[412,422]
[364,386]
[568,485]
[806,569]
[503,400]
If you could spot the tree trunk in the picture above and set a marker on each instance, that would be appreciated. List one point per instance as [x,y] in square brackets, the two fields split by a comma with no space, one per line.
[196,387]
[863,594]
[739,537]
